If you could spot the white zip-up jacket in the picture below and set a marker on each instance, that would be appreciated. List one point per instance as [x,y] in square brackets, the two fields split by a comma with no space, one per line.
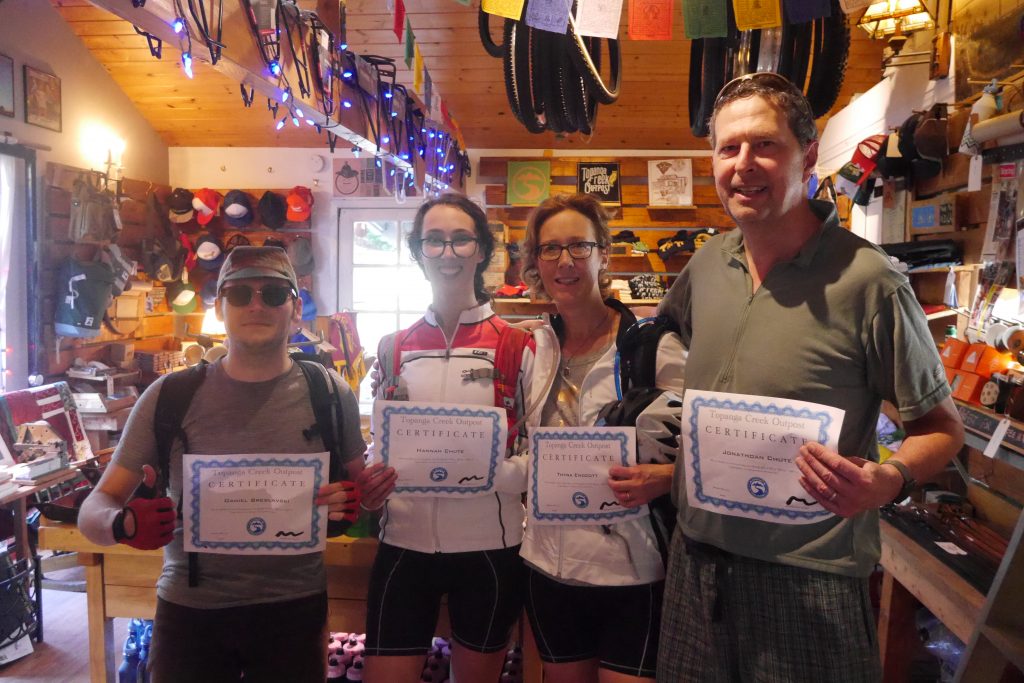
[623,554]
[434,369]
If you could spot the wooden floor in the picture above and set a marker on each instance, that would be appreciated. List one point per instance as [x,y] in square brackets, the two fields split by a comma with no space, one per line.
[63,656]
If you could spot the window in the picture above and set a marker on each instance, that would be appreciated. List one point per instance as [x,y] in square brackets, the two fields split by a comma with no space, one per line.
[387,288]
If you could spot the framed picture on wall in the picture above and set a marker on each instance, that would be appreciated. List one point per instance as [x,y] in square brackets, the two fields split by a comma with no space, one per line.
[42,99]
[6,85]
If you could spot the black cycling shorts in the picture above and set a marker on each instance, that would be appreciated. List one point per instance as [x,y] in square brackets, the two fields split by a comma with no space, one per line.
[617,625]
[484,590]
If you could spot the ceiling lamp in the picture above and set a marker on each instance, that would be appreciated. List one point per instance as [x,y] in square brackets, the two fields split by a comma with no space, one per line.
[896,19]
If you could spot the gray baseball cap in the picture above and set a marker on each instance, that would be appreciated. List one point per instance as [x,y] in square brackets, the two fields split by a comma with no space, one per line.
[246,262]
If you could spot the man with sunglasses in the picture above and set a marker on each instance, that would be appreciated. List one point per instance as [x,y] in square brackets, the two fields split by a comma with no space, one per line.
[229,615]
[792,306]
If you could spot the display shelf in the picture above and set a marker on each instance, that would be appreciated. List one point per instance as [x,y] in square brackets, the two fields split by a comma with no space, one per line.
[948,313]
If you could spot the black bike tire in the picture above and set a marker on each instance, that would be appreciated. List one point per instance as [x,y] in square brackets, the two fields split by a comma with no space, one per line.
[515,61]
[693,95]
[795,42]
[829,68]
[556,109]
[589,69]
[713,70]
[484,27]
[574,91]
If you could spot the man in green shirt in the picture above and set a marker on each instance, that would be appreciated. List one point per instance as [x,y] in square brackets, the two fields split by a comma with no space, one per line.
[791,306]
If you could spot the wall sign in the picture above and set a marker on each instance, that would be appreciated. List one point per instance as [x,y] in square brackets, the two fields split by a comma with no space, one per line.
[670,182]
[529,182]
[601,180]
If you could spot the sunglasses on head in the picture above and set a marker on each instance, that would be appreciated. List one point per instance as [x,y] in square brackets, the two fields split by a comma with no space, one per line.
[272,295]
[767,79]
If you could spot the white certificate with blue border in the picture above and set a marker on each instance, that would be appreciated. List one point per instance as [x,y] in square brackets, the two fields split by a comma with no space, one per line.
[249,504]
[739,452]
[568,477]
[440,449]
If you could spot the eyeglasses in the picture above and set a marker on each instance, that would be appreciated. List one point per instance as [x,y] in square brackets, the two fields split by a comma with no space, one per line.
[769,79]
[272,295]
[577,250]
[431,247]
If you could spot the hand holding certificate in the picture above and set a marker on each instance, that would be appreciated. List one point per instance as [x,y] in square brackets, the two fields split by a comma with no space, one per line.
[440,449]
[254,504]
[739,454]
[568,476]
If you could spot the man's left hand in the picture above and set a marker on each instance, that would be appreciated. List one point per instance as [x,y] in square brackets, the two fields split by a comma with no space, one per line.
[846,486]
[341,499]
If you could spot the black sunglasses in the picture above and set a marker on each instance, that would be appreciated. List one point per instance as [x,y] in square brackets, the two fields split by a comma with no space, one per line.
[272,295]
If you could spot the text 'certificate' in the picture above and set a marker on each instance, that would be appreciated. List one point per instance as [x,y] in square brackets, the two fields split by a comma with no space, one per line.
[440,449]
[739,453]
[568,476]
[254,504]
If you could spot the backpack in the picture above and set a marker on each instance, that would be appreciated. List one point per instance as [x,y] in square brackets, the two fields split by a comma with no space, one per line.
[508,358]
[636,363]
[95,215]
[176,394]
[84,291]
[348,358]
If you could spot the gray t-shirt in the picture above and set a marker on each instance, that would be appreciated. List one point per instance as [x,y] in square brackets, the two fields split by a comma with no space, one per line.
[835,325]
[227,416]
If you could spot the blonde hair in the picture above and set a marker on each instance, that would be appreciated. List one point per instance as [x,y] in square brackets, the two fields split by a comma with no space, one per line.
[584,204]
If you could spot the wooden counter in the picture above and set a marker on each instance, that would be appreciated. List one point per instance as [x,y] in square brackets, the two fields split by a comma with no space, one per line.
[121,582]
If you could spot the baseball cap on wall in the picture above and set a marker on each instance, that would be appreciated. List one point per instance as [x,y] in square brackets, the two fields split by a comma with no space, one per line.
[179,205]
[209,252]
[272,210]
[206,202]
[300,251]
[300,203]
[237,209]
[246,262]
[182,296]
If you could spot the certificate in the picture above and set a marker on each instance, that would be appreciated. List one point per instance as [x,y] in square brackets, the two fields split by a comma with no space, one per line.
[739,451]
[440,449]
[569,474]
[254,504]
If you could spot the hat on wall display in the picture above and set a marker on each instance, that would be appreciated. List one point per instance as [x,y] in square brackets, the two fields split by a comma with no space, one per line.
[300,251]
[300,203]
[182,297]
[206,202]
[209,252]
[236,240]
[237,209]
[272,210]
[179,205]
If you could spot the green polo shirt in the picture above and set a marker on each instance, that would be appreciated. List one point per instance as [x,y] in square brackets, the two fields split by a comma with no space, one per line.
[836,325]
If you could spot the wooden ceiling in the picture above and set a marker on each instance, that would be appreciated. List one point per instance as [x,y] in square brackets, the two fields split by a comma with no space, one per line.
[207,111]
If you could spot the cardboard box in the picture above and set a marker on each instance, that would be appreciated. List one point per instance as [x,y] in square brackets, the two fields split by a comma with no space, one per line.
[953,352]
[967,386]
[992,360]
[935,215]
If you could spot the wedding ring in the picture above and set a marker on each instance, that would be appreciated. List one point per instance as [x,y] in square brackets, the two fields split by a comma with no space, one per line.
[832,498]
[629,497]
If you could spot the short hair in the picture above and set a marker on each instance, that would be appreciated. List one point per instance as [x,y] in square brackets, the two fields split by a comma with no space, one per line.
[484,237]
[780,92]
[584,204]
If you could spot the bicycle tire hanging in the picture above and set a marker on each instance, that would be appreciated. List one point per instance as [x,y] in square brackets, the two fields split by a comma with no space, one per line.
[553,80]
[812,54]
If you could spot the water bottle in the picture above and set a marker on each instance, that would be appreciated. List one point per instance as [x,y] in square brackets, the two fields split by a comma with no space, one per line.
[128,670]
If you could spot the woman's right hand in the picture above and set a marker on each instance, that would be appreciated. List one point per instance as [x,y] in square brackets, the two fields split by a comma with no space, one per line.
[376,483]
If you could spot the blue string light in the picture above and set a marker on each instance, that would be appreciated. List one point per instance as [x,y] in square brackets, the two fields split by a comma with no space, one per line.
[275,68]
[186,62]
[178,25]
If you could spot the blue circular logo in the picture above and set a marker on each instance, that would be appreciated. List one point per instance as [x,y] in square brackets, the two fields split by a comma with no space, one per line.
[580,500]
[758,487]
[256,526]
[438,474]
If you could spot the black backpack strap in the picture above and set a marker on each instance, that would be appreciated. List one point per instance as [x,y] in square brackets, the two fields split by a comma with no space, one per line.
[176,394]
[326,403]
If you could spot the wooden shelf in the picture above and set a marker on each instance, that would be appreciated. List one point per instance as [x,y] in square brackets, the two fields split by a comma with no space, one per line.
[941,314]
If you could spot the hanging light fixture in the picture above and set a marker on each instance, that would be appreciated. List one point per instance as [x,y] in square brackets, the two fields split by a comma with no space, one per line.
[896,19]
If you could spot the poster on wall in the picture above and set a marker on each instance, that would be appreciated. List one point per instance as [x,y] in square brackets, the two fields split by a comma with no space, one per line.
[529,182]
[670,182]
[6,86]
[42,99]
[601,180]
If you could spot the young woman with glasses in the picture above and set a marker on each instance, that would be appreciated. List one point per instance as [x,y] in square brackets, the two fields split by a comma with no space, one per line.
[465,548]
[593,592]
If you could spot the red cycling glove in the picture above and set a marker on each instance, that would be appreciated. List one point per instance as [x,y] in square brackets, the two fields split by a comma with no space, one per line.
[154,523]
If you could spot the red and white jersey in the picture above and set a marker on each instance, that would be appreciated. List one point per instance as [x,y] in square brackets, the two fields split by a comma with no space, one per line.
[435,369]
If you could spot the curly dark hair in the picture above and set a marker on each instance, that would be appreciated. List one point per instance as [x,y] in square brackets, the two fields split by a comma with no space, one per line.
[584,204]
[484,237]
[780,92]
